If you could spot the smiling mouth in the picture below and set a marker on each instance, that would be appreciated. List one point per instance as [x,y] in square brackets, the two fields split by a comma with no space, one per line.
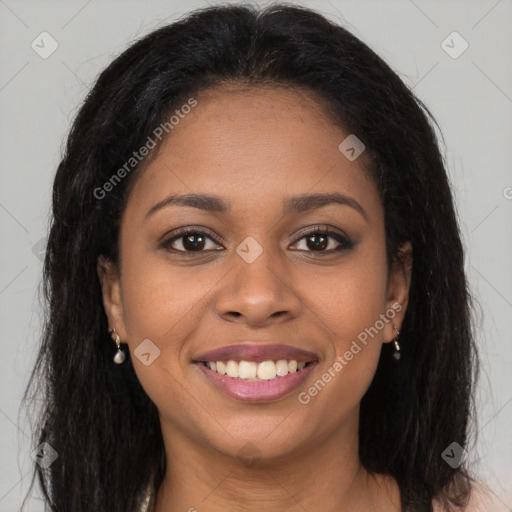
[252,371]
[256,372]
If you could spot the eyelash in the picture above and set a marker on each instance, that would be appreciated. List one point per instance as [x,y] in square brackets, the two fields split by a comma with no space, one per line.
[344,242]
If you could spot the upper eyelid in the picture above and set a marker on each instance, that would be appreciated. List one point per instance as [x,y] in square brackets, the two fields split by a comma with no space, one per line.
[322,228]
[179,232]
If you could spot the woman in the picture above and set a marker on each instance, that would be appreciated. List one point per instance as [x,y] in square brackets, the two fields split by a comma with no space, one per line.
[253,219]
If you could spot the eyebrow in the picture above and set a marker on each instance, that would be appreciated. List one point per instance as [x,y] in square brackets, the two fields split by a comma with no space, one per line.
[296,204]
[202,201]
[307,202]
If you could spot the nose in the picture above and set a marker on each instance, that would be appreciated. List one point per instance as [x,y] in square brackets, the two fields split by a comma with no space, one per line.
[257,294]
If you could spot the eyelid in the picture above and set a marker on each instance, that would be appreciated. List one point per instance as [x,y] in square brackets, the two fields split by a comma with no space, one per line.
[321,228]
[344,242]
[174,234]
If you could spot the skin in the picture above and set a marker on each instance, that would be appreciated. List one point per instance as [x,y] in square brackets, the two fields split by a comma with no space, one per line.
[253,147]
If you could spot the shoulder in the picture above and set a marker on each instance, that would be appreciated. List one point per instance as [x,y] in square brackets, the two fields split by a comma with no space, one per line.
[482,499]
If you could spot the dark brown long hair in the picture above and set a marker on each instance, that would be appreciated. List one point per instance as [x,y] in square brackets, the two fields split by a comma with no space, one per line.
[95,414]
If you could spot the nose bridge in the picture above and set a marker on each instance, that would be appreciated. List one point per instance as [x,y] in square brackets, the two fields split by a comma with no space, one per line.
[256,291]
[256,276]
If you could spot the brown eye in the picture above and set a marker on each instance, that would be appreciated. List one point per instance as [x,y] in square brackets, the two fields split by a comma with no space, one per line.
[317,242]
[193,242]
[190,241]
[323,241]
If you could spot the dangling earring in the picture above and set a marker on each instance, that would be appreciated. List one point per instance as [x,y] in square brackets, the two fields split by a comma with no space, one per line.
[119,356]
[396,353]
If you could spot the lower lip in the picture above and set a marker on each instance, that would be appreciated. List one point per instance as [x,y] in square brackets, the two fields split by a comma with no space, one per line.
[258,391]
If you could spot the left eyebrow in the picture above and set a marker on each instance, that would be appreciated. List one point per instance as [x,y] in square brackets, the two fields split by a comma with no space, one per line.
[306,202]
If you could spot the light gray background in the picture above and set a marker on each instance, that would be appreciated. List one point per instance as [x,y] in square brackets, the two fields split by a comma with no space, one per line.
[471,97]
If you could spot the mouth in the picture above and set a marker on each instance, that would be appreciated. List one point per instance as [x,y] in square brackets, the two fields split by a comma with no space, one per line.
[256,373]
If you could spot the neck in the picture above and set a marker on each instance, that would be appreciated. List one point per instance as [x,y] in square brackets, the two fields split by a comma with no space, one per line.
[326,476]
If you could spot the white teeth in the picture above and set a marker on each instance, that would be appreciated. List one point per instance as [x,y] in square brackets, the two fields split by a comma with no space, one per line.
[232,369]
[282,367]
[247,370]
[221,368]
[252,371]
[267,370]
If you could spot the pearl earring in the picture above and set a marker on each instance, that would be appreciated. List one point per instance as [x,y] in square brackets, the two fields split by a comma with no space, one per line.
[119,356]
[396,354]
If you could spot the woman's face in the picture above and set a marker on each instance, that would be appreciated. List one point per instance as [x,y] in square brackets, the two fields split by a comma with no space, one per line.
[256,282]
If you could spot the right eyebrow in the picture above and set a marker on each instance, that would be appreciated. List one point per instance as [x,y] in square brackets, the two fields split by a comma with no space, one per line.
[204,202]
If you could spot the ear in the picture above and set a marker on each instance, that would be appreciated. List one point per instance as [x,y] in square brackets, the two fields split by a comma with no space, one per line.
[398,290]
[111,292]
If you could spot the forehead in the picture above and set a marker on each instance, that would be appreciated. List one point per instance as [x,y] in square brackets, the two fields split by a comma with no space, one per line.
[251,143]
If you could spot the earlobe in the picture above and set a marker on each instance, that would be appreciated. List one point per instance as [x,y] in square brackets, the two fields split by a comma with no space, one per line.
[111,293]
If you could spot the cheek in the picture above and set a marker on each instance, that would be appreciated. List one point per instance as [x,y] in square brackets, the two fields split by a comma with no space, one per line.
[352,324]
[158,309]
[349,298]
[160,300]
[160,305]
[348,304]
[360,300]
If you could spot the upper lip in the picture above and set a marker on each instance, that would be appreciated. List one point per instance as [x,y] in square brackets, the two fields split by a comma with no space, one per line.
[256,353]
